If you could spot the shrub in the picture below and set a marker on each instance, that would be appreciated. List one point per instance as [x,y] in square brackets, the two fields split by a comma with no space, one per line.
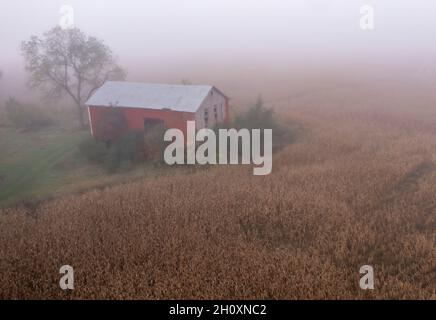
[93,150]
[154,143]
[111,155]
[127,149]
[112,125]
[258,116]
[121,144]
[26,116]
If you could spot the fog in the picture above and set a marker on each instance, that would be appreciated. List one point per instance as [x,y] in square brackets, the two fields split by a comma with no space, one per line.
[231,43]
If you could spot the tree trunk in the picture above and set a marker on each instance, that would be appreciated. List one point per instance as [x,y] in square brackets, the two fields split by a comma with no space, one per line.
[81,117]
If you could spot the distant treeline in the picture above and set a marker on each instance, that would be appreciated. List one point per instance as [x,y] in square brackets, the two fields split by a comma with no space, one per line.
[25,116]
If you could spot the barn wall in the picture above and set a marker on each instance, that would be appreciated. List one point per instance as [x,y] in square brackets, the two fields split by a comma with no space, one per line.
[214,99]
[135,118]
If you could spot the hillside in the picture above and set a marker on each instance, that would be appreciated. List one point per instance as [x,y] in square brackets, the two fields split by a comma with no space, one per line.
[43,164]
[356,188]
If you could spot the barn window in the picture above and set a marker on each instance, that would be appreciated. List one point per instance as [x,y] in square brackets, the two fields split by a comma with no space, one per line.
[206,116]
[215,111]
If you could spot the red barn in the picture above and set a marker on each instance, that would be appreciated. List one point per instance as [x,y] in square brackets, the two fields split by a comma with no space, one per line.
[144,105]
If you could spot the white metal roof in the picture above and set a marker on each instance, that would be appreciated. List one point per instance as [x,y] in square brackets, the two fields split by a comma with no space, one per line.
[186,98]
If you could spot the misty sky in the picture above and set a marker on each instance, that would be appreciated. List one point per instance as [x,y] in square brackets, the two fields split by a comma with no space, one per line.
[153,34]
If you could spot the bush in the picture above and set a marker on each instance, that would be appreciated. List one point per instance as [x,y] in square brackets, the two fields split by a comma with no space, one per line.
[25,116]
[93,150]
[111,155]
[259,117]
[127,149]
[256,117]
[112,126]
[154,144]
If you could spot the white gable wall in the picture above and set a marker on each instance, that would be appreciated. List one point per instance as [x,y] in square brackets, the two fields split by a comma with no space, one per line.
[213,109]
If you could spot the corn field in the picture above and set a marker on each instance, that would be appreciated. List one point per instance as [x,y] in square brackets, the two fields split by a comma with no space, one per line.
[357,188]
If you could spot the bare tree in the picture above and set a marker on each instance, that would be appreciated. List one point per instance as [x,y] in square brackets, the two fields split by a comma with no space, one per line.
[69,62]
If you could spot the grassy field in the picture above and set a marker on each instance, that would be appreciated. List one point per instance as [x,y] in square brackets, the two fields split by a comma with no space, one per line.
[47,163]
[28,166]
[357,189]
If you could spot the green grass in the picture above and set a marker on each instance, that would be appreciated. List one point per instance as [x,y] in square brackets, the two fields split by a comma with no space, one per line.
[38,165]
[28,162]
